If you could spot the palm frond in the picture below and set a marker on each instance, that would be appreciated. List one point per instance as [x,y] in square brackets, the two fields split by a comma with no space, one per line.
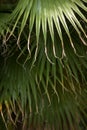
[45,75]
[45,16]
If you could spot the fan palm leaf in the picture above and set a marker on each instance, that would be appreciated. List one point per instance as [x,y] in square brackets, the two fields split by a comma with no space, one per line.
[46,16]
[45,73]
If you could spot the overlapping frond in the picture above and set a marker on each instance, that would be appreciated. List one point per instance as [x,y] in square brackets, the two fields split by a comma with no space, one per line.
[42,93]
[46,75]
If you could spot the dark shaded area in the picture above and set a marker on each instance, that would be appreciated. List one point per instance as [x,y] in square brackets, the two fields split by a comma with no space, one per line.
[8,1]
[2,126]
[6,6]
